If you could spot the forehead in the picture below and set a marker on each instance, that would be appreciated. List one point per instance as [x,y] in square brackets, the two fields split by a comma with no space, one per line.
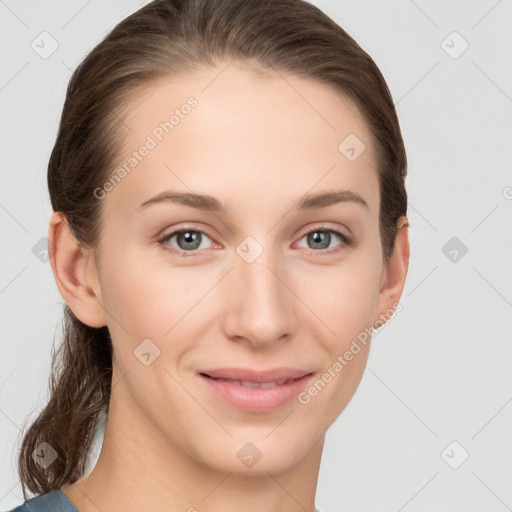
[229,129]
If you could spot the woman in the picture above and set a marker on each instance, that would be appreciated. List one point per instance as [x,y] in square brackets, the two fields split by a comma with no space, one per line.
[229,225]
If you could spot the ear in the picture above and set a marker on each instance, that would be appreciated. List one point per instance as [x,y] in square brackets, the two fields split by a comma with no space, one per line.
[75,273]
[393,275]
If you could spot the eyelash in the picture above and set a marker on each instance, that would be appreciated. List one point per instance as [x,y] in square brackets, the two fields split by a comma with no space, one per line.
[347,242]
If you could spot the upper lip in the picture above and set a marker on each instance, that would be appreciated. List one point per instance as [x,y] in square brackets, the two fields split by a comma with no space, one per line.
[250,375]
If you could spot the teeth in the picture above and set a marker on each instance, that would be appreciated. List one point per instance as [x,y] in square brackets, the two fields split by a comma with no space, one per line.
[249,384]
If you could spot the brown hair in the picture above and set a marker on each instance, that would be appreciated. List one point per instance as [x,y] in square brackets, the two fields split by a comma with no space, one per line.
[161,39]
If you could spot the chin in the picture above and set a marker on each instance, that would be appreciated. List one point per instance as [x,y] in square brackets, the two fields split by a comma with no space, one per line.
[253,452]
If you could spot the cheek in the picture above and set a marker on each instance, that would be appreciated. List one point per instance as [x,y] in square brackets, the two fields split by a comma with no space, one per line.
[344,302]
[154,300]
[342,298]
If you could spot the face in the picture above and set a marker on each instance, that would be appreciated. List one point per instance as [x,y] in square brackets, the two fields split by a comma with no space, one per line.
[258,283]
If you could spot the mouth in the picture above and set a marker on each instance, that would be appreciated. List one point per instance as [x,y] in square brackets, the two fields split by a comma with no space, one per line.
[252,391]
[252,384]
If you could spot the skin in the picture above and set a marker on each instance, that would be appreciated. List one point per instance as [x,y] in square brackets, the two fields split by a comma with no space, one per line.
[257,145]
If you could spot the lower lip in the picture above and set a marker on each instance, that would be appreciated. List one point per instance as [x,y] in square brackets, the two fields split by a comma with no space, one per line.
[257,399]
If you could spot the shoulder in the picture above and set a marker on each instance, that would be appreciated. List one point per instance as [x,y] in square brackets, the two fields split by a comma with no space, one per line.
[54,501]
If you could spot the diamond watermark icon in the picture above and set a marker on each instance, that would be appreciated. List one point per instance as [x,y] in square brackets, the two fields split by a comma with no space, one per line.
[249,455]
[44,45]
[41,249]
[454,455]
[249,249]
[351,147]
[44,455]
[454,249]
[454,45]
[146,352]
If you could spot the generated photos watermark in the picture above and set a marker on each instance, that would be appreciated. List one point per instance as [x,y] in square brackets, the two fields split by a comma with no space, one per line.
[342,360]
[151,142]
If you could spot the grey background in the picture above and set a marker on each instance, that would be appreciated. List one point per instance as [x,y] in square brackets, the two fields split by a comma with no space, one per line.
[440,371]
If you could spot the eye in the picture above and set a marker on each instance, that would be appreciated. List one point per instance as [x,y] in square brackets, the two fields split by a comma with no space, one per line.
[320,240]
[188,240]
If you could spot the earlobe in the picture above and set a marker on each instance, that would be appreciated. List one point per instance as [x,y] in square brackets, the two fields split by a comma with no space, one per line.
[74,268]
[395,273]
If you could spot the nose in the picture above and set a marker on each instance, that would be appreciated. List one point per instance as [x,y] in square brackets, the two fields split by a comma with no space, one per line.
[261,308]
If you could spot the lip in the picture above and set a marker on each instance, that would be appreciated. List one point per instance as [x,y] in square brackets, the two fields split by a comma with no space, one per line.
[256,399]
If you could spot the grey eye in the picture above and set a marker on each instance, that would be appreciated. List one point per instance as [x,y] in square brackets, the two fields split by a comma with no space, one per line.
[187,239]
[320,238]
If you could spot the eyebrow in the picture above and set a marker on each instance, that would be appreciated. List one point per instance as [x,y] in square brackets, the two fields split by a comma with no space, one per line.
[211,204]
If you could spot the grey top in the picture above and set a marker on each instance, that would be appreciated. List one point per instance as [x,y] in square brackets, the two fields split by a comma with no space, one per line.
[54,501]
